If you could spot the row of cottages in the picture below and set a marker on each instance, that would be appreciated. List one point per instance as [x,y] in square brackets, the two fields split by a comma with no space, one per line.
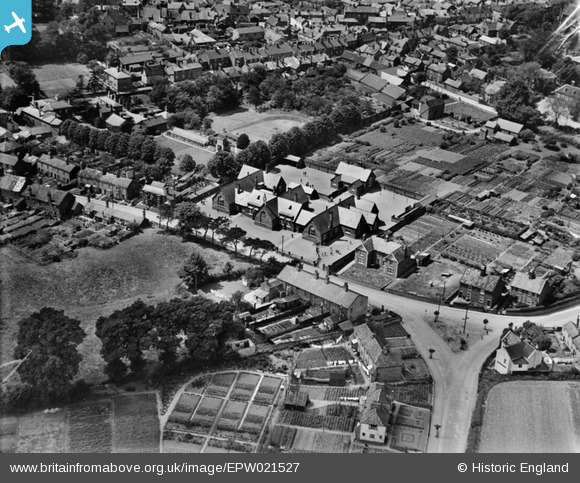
[478,288]
[58,169]
[391,258]
[516,355]
[375,415]
[333,298]
[356,179]
[56,202]
[571,337]
[94,181]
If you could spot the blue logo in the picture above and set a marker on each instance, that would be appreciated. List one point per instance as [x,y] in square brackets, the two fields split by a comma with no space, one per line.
[15,22]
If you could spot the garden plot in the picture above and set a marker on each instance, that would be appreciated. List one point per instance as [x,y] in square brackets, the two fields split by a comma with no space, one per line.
[410,429]
[344,393]
[532,417]
[268,390]
[472,251]
[255,418]
[184,409]
[310,358]
[245,386]
[206,412]
[231,416]
[335,417]
[216,445]
[221,383]
[90,428]
[313,441]
[517,256]
[414,394]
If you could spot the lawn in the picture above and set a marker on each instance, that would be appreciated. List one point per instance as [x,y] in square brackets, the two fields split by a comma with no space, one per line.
[532,417]
[199,155]
[257,125]
[95,283]
[59,79]
[124,423]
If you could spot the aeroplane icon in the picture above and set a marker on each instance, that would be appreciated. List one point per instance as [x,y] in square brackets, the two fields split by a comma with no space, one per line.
[18,22]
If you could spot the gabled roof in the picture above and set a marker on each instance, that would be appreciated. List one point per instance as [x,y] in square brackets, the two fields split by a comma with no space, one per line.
[57,163]
[474,278]
[378,244]
[352,172]
[522,281]
[319,287]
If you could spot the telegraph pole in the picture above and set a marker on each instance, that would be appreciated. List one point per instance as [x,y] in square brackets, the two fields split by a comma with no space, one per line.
[465,319]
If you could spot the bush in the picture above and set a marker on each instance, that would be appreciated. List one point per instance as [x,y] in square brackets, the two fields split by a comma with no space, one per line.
[527,136]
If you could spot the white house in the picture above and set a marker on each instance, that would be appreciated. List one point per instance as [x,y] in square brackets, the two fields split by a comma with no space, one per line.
[375,416]
[516,355]
[571,337]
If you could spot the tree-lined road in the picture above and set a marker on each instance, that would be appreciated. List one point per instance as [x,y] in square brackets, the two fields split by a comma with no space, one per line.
[455,375]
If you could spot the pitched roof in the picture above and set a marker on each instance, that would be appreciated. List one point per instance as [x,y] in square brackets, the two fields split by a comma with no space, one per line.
[57,163]
[474,278]
[522,281]
[376,243]
[319,287]
[352,172]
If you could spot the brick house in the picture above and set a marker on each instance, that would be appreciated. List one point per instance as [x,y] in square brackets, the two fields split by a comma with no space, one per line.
[391,258]
[529,290]
[480,289]
[58,169]
[357,179]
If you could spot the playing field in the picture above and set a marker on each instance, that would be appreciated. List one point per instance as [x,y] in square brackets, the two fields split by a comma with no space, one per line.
[199,155]
[257,125]
[59,79]
[532,417]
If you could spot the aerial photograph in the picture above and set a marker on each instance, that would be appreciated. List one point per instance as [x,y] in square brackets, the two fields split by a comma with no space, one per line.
[290,226]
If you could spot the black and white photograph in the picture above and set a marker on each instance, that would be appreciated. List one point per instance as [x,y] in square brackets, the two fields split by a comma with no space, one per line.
[291,226]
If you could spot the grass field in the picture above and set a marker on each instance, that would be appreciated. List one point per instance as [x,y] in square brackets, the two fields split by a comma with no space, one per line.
[121,424]
[257,125]
[199,155]
[59,79]
[95,283]
[532,417]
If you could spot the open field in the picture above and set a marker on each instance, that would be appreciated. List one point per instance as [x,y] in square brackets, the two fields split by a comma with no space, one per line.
[532,417]
[257,125]
[59,79]
[95,283]
[121,424]
[199,155]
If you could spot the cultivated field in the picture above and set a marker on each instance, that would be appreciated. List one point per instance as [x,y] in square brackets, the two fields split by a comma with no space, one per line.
[258,126]
[223,413]
[532,417]
[59,79]
[95,283]
[121,424]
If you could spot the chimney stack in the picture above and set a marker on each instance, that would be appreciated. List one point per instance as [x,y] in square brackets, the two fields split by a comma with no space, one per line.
[345,286]
[327,279]
[316,275]
[483,270]
[578,322]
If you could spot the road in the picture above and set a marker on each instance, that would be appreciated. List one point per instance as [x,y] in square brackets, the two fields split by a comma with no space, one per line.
[455,375]
[127,211]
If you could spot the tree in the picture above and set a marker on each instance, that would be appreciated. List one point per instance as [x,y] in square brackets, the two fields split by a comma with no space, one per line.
[485,322]
[194,272]
[431,352]
[216,225]
[256,154]
[123,337]
[243,141]
[235,234]
[166,211]
[188,214]
[254,96]
[515,102]
[47,342]
[24,77]
[224,166]
[559,107]
[186,163]
[452,54]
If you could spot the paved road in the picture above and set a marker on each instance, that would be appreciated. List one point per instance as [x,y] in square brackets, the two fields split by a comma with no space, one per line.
[455,375]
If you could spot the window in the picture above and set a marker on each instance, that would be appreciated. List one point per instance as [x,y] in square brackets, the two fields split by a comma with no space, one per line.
[363,434]
[262,217]
[220,201]
[481,299]
[488,303]
[312,230]
[390,270]
[372,436]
